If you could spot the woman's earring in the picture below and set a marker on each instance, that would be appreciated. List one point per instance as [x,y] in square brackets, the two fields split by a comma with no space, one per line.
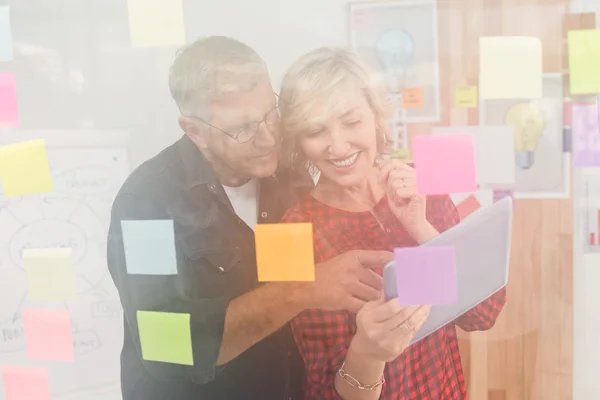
[378,159]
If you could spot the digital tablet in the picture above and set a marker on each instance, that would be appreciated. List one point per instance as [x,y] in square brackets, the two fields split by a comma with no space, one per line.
[482,249]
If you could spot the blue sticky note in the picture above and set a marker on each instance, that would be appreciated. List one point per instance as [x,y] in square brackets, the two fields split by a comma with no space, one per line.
[426,275]
[6,46]
[149,247]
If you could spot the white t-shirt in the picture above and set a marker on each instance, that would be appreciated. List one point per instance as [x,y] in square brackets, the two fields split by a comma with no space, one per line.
[244,200]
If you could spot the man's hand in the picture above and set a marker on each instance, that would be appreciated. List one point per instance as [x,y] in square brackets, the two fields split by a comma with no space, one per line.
[348,282]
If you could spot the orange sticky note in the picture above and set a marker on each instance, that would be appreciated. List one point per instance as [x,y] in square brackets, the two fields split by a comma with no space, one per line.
[284,252]
[25,383]
[48,335]
[412,97]
[467,207]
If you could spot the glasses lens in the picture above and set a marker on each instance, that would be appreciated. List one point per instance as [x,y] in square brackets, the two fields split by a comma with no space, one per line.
[248,132]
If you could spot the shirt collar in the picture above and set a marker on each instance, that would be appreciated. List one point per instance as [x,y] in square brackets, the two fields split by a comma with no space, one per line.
[198,170]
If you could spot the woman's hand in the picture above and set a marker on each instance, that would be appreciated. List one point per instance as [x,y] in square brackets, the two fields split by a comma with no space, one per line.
[409,207]
[385,329]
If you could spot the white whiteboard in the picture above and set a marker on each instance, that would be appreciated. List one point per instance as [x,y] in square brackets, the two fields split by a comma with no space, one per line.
[75,214]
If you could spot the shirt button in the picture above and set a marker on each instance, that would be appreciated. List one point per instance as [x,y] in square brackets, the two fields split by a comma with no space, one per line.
[264,214]
[212,188]
[221,269]
[388,230]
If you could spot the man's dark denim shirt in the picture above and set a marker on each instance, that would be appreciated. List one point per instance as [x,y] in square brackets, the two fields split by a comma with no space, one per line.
[216,262]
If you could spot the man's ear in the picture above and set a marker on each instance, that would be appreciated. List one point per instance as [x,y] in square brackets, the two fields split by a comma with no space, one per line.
[194,131]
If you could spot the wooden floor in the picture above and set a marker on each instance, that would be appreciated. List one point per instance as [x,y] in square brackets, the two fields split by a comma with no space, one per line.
[528,354]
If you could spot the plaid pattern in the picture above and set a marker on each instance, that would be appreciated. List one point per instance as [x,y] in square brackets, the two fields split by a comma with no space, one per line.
[429,369]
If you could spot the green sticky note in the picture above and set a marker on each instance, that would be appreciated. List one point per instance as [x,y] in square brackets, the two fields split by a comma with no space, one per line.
[165,337]
[50,274]
[584,61]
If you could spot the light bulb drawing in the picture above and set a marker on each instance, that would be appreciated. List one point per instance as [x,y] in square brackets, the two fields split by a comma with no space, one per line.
[529,123]
[395,49]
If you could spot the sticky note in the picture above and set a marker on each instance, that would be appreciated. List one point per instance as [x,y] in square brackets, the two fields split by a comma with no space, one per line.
[25,383]
[412,97]
[361,19]
[6,46]
[50,274]
[24,168]
[584,61]
[500,194]
[466,97]
[156,23]
[48,335]
[585,135]
[444,164]
[510,67]
[165,337]
[149,247]
[494,152]
[467,207]
[9,110]
[426,275]
[284,252]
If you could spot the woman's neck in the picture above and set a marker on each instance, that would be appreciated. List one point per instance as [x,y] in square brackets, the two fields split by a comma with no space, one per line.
[357,198]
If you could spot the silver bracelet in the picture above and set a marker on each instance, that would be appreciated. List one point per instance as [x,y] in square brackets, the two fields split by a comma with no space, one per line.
[355,383]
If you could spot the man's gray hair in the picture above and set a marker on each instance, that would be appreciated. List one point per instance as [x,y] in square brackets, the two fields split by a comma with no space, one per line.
[210,68]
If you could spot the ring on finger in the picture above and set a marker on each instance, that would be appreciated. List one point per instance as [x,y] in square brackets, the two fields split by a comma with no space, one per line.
[403,183]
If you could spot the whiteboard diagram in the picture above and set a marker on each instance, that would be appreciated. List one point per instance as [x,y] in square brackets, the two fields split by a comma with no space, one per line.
[76,214]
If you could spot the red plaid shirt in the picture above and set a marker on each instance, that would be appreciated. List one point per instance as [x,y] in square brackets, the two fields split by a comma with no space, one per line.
[429,369]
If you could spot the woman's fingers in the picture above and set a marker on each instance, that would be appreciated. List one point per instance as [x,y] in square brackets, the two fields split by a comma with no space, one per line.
[392,323]
[393,165]
[413,322]
[390,309]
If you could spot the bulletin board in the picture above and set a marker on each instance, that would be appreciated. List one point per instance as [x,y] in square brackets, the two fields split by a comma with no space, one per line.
[399,39]
[548,176]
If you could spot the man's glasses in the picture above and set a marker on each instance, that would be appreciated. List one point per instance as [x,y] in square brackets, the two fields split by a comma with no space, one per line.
[249,130]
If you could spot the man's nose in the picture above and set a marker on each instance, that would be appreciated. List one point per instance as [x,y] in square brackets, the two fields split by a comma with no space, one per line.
[267,136]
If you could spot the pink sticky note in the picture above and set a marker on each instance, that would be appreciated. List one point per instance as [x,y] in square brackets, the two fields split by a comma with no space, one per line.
[586,135]
[426,275]
[9,112]
[25,383]
[444,164]
[48,335]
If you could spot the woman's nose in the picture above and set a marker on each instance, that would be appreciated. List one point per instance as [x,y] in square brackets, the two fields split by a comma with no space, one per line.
[338,146]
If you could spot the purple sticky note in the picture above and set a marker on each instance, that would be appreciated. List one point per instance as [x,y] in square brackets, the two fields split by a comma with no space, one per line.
[586,135]
[25,383]
[426,275]
[444,164]
[500,194]
[48,335]
[9,112]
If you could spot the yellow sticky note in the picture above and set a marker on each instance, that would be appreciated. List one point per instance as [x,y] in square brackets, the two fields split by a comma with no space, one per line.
[584,61]
[156,23]
[466,97]
[165,337]
[284,252]
[50,274]
[510,67]
[24,168]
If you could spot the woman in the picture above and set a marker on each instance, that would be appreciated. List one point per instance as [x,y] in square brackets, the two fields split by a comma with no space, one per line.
[333,122]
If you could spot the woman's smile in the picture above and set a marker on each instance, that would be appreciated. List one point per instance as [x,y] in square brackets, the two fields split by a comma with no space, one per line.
[345,164]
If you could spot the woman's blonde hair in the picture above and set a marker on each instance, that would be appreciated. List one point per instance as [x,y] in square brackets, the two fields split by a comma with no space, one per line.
[315,84]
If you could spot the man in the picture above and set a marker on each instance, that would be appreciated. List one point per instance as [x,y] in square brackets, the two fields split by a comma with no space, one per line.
[216,183]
